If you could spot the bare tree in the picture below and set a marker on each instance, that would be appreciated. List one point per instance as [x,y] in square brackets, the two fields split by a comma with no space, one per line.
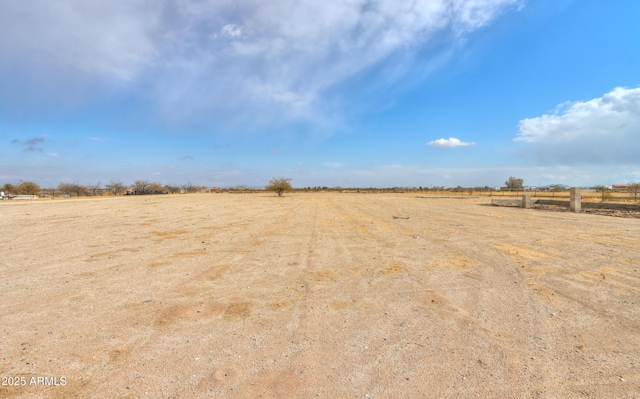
[279,185]
[156,188]
[172,189]
[188,187]
[93,188]
[141,186]
[115,186]
[72,188]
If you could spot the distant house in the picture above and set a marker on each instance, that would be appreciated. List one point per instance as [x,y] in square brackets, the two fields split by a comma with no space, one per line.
[620,187]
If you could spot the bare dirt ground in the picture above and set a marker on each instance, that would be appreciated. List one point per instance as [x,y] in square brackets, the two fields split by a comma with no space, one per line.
[316,295]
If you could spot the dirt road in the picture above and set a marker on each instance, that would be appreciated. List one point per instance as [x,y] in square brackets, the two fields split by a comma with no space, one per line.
[316,295]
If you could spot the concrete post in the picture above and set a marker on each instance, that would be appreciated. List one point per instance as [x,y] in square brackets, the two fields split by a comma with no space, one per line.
[526,201]
[574,203]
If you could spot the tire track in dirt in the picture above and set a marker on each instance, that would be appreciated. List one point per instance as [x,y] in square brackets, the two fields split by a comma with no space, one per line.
[321,294]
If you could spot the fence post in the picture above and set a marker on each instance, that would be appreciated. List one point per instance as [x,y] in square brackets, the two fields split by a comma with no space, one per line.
[574,203]
[526,201]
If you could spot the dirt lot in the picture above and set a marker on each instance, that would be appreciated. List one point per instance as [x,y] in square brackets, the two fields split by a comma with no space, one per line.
[316,295]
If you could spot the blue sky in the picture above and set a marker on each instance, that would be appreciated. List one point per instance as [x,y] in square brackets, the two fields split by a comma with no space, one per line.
[351,93]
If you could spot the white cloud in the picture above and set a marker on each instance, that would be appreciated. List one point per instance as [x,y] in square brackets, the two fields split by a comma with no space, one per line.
[231,30]
[96,139]
[602,130]
[451,142]
[264,61]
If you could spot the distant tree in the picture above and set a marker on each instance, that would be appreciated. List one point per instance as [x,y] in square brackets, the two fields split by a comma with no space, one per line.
[556,189]
[27,188]
[188,187]
[279,185]
[115,186]
[141,186]
[172,189]
[72,189]
[514,183]
[8,188]
[240,187]
[93,189]
[155,188]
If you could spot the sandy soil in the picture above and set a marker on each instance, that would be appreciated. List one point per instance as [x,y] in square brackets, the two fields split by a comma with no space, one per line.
[316,295]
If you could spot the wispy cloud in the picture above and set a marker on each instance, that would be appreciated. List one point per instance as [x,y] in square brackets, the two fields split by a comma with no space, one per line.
[30,144]
[237,59]
[98,139]
[186,158]
[451,142]
[600,130]
[34,141]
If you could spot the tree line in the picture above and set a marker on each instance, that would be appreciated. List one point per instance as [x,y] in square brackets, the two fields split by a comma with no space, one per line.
[279,185]
[113,187]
